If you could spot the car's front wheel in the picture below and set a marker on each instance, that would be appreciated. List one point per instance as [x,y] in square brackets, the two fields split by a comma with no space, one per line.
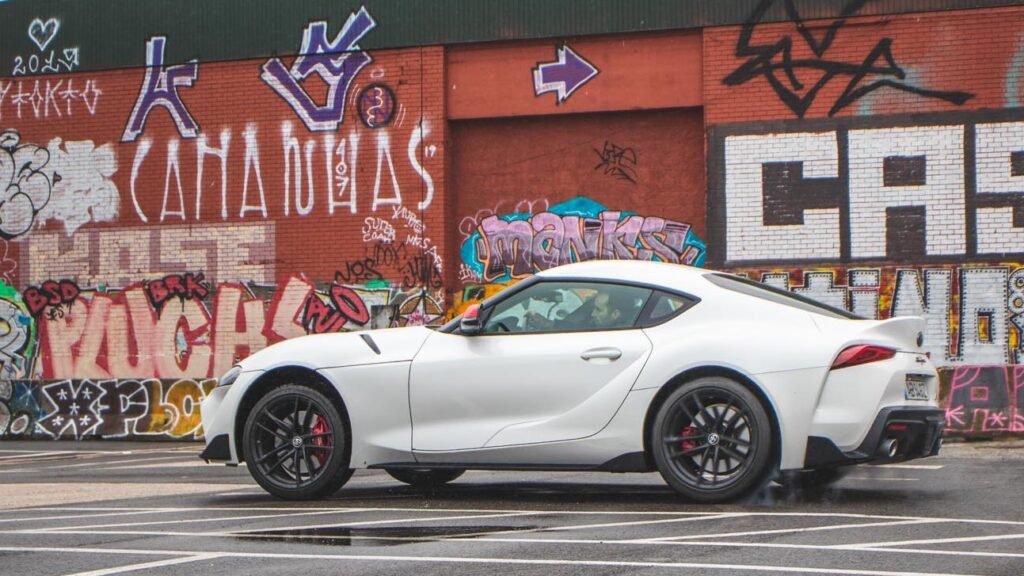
[425,478]
[296,444]
[711,440]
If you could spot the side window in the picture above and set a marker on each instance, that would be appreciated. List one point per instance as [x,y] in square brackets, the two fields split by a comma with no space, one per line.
[568,307]
[664,307]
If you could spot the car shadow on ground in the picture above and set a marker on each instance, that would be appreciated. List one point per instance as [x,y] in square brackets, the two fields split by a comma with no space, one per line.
[518,495]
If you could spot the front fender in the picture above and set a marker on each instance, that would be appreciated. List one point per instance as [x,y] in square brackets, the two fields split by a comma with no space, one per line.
[339,350]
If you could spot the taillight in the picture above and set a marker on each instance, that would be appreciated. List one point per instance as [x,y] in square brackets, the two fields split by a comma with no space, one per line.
[862,354]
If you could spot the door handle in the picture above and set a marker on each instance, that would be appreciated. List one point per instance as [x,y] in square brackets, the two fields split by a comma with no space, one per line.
[601,353]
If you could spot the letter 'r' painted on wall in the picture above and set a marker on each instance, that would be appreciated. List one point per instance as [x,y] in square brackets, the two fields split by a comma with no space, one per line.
[337,63]
[160,88]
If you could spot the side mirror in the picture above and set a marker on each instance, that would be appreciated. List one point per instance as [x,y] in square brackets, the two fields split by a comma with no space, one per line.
[470,324]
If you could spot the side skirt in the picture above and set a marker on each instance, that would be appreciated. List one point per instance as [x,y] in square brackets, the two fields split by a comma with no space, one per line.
[631,462]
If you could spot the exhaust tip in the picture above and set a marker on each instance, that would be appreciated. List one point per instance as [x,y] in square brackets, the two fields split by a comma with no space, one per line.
[894,448]
[889,448]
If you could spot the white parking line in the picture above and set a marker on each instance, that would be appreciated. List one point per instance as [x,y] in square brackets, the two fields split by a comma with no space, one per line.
[41,455]
[463,538]
[74,516]
[788,530]
[11,451]
[913,466]
[102,463]
[197,520]
[882,479]
[718,543]
[488,510]
[498,561]
[643,522]
[147,565]
[941,540]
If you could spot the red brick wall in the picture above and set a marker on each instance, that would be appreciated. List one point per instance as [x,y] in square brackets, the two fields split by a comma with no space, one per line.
[621,154]
[969,51]
[116,228]
[893,191]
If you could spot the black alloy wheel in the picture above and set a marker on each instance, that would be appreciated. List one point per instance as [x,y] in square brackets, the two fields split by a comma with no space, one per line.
[297,444]
[712,440]
[425,478]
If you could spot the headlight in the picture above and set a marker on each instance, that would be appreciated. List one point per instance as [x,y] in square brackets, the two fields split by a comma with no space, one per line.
[230,376]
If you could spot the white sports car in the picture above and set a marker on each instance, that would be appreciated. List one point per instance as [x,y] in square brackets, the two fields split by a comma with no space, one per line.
[716,381]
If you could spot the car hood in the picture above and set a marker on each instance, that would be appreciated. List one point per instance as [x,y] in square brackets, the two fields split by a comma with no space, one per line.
[341,349]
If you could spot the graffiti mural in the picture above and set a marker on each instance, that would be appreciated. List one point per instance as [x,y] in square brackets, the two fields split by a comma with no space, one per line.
[8,265]
[869,189]
[183,326]
[564,76]
[129,254]
[335,62]
[19,410]
[48,58]
[17,335]
[66,181]
[520,244]
[26,187]
[618,162]
[83,189]
[160,89]
[81,409]
[48,99]
[974,314]
[318,177]
[784,65]
[985,399]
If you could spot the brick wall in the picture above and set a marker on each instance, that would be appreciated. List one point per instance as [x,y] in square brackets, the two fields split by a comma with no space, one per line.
[175,219]
[875,164]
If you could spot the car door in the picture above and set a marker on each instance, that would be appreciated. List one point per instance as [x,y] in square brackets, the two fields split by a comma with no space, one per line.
[551,364]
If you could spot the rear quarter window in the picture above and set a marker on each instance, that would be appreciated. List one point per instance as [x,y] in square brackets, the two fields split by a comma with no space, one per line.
[773,294]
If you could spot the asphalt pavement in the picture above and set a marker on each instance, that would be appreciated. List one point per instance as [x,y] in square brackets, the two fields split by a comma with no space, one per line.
[99,508]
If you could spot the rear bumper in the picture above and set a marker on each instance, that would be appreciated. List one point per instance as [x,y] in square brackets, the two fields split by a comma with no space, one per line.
[897,434]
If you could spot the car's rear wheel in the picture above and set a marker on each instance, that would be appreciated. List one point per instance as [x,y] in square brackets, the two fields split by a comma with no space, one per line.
[296,444]
[712,440]
[425,477]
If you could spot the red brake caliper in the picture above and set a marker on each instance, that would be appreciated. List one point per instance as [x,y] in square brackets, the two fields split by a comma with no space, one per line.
[321,427]
[689,431]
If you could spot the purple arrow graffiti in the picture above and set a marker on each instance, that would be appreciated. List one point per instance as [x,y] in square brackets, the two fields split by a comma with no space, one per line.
[564,76]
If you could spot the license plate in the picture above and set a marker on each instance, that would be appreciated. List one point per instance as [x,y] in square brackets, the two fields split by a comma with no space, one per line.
[917,388]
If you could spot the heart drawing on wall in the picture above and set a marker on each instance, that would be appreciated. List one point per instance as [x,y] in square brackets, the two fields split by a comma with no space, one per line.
[42,33]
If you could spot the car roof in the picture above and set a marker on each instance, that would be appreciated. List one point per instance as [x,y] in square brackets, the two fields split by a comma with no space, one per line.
[640,271]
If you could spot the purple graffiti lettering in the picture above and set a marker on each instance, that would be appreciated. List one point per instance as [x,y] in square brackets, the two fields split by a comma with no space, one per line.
[618,237]
[546,240]
[160,88]
[507,244]
[337,63]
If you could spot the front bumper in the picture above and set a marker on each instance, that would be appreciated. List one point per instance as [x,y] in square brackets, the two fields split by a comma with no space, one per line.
[897,434]
[218,426]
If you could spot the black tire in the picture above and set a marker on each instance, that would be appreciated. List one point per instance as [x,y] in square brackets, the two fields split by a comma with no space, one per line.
[296,444]
[811,479]
[425,477]
[711,440]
